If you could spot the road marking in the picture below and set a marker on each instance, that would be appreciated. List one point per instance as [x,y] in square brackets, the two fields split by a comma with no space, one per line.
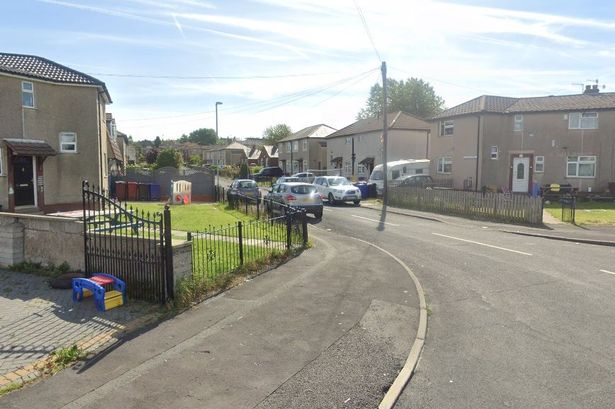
[608,272]
[374,220]
[483,244]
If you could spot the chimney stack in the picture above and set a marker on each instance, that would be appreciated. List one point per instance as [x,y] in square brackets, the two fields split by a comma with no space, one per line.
[595,89]
[588,89]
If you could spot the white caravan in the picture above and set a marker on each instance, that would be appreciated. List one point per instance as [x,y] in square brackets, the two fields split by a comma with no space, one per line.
[397,170]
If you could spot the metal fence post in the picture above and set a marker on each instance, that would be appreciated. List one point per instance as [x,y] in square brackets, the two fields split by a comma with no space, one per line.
[240,234]
[168,243]
[305,228]
[258,212]
[288,230]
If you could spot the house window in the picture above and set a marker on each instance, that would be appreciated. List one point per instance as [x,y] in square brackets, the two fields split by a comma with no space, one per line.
[347,168]
[296,146]
[305,145]
[581,167]
[1,162]
[539,164]
[348,140]
[27,94]
[447,128]
[494,153]
[295,166]
[289,147]
[361,169]
[583,120]
[518,123]
[445,164]
[68,142]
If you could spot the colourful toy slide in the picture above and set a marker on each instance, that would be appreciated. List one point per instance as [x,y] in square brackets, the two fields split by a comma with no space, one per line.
[95,286]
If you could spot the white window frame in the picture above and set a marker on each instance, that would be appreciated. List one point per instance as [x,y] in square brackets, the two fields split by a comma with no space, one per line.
[494,153]
[289,147]
[1,161]
[539,164]
[347,167]
[295,146]
[348,140]
[518,123]
[441,165]
[361,169]
[575,120]
[63,143]
[447,128]
[305,145]
[581,160]
[27,91]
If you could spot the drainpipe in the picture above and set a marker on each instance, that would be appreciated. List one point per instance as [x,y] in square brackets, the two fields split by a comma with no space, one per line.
[100,158]
[477,153]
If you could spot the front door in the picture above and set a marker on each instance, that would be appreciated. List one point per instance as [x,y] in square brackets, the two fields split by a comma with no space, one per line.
[23,180]
[521,174]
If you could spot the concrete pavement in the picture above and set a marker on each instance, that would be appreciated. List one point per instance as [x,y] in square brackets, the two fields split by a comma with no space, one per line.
[331,328]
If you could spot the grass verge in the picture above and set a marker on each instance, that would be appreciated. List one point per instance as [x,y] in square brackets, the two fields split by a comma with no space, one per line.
[589,213]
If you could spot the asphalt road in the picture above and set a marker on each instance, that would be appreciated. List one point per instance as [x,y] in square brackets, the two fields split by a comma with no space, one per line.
[515,322]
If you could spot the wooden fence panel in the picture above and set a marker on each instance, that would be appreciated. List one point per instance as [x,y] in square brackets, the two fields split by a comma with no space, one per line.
[502,207]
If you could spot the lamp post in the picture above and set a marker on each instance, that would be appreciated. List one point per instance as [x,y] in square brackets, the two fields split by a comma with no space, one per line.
[217,103]
[217,137]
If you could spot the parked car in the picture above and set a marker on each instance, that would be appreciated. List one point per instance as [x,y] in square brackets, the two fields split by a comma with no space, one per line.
[284,179]
[337,189]
[294,194]
[268,173]
[417,181]
[243,187]
[306,177]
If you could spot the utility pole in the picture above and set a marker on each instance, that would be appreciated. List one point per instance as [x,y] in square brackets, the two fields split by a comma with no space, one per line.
[353,157]
[385,126]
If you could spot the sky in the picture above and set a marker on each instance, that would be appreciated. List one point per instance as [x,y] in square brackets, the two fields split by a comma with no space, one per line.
[305,62]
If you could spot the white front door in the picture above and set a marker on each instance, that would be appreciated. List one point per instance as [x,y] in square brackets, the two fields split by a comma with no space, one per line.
[520,174]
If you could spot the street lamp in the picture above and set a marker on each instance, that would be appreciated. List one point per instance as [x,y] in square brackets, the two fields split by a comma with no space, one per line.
[217,103]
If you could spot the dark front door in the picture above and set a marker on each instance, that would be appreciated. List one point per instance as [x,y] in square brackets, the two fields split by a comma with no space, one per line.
[23,180]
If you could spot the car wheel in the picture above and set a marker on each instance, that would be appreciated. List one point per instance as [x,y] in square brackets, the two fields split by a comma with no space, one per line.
[357,202]
[331,200]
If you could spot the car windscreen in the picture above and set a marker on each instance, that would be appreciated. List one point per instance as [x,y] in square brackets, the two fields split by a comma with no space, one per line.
[338,182]
[247,184]
[303,189]
[376,175]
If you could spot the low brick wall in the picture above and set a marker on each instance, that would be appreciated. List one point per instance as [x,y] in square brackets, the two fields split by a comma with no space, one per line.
[41,239]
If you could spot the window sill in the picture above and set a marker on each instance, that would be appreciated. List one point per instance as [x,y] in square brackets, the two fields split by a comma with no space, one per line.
[580,177]
[33,108]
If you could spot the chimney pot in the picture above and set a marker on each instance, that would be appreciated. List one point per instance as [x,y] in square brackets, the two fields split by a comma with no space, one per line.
[588,89]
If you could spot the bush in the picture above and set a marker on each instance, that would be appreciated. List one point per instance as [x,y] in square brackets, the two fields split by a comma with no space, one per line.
[243,171]
[169,157]
[255,169]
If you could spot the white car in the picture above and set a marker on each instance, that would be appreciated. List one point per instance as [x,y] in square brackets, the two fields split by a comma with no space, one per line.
[337,189]
[306,177]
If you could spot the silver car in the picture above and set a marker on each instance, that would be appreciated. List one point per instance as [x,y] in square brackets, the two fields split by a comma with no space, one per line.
[294,194]
[306,177]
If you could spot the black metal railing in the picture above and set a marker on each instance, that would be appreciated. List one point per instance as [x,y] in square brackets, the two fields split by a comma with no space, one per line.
[132,245]
[219,194]
[225,249]
[569,208]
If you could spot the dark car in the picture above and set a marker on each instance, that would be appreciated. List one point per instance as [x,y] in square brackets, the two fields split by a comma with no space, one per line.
[241,188]
[417,181]
[268,173]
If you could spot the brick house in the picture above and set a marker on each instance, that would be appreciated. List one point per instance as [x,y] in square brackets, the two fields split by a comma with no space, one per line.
[511,143]
[304,150]
[52,134]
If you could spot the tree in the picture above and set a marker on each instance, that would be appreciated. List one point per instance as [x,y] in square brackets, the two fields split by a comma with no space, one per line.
[195,160]
[276,132]
[413,96]
[157,142]
[202,136]
[243,171]
[151,155]
[169,157]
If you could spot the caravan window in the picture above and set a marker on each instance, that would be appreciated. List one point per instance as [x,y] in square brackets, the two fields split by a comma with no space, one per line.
[395,174]
[419,171]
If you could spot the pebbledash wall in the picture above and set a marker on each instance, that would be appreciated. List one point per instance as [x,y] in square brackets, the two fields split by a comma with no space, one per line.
[50,239]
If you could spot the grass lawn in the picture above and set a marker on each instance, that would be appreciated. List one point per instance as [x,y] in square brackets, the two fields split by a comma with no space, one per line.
[196,216]
[587,212]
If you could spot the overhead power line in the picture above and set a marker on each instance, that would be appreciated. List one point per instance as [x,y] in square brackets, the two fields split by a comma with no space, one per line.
[261,106]
[366,27]
[211,77]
